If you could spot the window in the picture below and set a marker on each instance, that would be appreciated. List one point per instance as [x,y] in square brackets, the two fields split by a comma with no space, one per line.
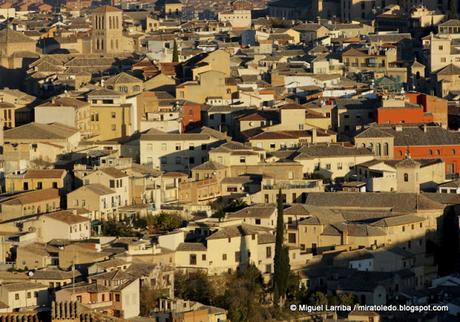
[242,159]
[117,297]
[39,185]
[268,252]
[237,257]
[16,296]
[403,228]
[257,221]
[328,166]
[272,145]
[385,149]
[203,257]
[163,146]
[268,268]
[443,59]
[29,295]
[112,183]
[192,259]
[339,166]
[440,47]
[224,257]
[191,147]
[204,147]
[191,160]
[114,127]
[291,238]
[113,115]
[178,147]
[406,177]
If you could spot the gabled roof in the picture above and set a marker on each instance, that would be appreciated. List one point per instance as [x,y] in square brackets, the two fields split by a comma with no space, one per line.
[209,165]
[450,23]
[97,188]
[237,231]
[122,78]
[67,216]
[104,9]
[113,172]
[9,36]
[44,173]
[37,131]
[256,211]
[354,52]
[398,221]
[32,196]
[450,69]
[396,202]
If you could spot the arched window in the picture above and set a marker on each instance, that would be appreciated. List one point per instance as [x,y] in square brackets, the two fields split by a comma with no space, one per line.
[385,148]
[379,149]
[406,177]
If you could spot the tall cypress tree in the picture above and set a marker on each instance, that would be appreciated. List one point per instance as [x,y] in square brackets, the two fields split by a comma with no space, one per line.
[175,53]
[282,267]
[453,9]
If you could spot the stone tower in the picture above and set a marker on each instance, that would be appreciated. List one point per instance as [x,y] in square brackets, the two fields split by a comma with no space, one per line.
[107,35]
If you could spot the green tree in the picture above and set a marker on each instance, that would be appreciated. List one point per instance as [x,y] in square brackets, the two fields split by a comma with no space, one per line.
[148,300]
[318,298]
[281,260]
[175,53]
[243,296]
[453,9]
[346,299]
[165,222]
[194,287]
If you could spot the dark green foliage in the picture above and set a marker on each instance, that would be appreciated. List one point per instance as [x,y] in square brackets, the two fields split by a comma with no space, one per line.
[194,287]
[148,300]
[281,260]
[243,297]
[453,9]
[175,53]
[165,222]
[220,208]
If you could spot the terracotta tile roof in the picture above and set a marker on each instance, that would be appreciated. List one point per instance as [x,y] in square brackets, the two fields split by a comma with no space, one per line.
[113,172]
[32,197]
[39,132]
[67,216]
[44,173]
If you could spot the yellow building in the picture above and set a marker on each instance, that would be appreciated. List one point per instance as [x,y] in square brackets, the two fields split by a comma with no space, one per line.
[124,83]
[38,179]
[209,85]
[30,203]
[110,115]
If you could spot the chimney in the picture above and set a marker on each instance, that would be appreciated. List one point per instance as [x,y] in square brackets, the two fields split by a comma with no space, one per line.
[425,128]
